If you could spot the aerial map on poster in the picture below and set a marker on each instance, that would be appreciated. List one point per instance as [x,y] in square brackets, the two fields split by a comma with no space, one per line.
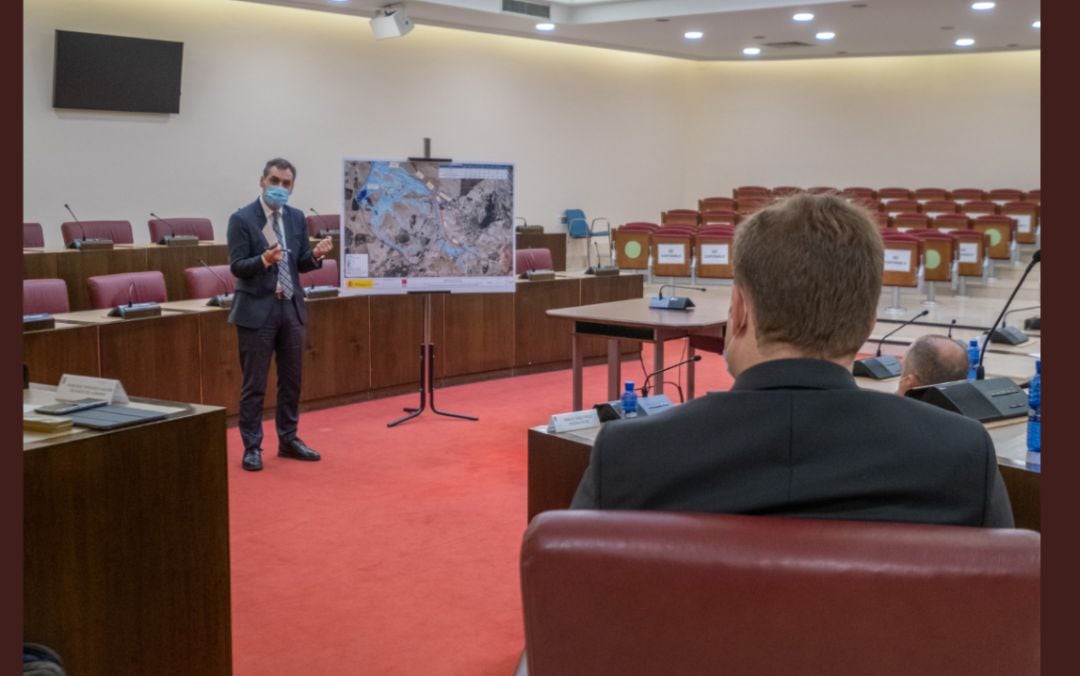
[427,226]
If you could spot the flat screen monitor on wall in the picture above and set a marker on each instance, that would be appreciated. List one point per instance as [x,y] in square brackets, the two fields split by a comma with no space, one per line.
[109,72]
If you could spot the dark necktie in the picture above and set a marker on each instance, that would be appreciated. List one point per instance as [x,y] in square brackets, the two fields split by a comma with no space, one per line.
[283,277]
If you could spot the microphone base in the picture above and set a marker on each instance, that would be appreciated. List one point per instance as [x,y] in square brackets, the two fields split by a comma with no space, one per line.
[539,275]
[38,322]
[316,292]
[136,311]
[1010,335]
[223,300]
[878,368]
[983,400]
[180,240]
[90,244]
[671,303]
[1033,324]
[602,270]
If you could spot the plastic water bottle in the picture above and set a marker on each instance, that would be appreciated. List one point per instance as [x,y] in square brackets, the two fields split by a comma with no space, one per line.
[1034,426]
[973,359]
[629,400]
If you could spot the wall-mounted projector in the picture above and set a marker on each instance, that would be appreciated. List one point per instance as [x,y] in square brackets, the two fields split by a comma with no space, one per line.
[391,22]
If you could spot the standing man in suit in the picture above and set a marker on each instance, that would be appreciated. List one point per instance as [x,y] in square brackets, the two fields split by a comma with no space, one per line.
[268,249]
[795,435]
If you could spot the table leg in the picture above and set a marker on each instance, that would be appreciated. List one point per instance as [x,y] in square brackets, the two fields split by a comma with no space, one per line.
[576,357]
[657,364]
[614,366]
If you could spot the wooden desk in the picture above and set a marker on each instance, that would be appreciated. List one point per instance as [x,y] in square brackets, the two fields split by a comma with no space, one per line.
[66,348]
[126,545]
[555,242]
[633,320]
[556,463]
[173,260]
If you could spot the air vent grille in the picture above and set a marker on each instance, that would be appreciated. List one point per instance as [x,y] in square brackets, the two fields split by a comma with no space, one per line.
[787,45]
[527,8]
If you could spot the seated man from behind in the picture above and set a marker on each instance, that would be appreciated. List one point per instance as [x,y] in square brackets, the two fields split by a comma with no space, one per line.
[795,435]
[930,360]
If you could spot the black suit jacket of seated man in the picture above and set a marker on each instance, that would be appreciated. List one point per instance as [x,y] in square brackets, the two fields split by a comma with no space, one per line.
[798,437]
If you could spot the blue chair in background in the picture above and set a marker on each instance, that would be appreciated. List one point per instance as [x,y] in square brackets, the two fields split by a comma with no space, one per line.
[579,228]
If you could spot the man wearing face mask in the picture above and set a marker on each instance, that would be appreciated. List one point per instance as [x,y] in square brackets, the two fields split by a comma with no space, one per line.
[268,249]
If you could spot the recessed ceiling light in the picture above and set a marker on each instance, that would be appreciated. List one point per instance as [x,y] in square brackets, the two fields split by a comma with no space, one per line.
[825,35]
[803,16]
[545,26]
[982,6]
[751,51]
[964,42]
[693,35]
[1037,23]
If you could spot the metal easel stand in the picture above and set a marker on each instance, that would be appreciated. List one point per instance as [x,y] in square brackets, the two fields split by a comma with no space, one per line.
[427,375]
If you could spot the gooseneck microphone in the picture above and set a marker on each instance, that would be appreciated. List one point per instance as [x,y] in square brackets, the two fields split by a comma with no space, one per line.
[324,232]
[84,242]
[660,293]
[890,333]
[224,299]
[172,238]
[645,385]
[673,302]
[131,294]
[980,373]
[952,325]
[82,230]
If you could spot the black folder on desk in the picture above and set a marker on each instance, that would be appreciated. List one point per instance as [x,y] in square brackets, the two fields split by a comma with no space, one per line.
[114,416]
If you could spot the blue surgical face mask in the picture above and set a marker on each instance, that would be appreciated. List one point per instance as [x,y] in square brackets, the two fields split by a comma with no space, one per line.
[275,196]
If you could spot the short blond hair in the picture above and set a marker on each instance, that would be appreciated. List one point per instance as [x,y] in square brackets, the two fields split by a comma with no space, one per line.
[811,266]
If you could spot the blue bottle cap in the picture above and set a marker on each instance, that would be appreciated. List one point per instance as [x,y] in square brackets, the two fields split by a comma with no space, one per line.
[629,385]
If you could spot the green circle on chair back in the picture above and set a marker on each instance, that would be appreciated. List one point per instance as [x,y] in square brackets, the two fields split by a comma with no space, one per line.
[632,249]
[933,259]
[995,236]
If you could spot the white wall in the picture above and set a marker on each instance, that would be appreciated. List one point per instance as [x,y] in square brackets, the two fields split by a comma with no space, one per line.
[620,135]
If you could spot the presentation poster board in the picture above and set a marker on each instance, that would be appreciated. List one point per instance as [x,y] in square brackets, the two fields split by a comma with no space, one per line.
[417,226]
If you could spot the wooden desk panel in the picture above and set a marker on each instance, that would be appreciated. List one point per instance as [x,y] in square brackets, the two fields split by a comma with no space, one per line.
[539,339]
[173,260]
[75,267]
[397,329]
[555,242]
[39,264]
[126,548]
[479,333]
[606,289]
[67,348]
[154,357]
[337,348]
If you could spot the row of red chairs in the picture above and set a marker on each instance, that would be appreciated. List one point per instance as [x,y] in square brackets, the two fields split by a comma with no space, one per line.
[51,295]
[921,194]
[120,231]
[891,207]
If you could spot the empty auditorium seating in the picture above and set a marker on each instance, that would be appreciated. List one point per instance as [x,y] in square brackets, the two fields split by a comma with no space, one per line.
[822,190]
[934,208]
[716,204]
[49,296]
[901,268]
[951,222]
[893,194]
[899,206]
[1000,232]
[931,194]
[126,287]
[33,236]
[785,190]
[631,242]
[118,232]
[720,217]
[907,220]
[859,192]
[713,251]
[525,260]
[203,282]
[1002,195]
[967,194]
[672,250]
[980,207]
[679,217]
[750,191]
[197,227]
[1026,215]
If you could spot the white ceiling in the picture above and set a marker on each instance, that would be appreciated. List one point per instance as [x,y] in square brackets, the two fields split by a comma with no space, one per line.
[862,27]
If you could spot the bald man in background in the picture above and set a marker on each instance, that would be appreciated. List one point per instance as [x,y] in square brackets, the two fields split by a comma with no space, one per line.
[932,359]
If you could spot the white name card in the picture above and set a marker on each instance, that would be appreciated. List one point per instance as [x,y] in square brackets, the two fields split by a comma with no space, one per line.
[714,254]
[969,252]
[897,260]
[671,254]
[84,387]
[1023,222]
[575,420]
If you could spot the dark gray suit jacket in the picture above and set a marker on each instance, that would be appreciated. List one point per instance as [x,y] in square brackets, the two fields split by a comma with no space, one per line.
[256,283]
[798,437]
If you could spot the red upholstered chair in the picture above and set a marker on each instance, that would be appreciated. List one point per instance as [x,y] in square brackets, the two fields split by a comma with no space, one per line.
[950,222]
[45,296]
[524,260]
[894,207]
[196,227]
[748,205]
[713,251]
[785,190]
[908,220]
[894,194]
[202,283]
[859,192]
[938,250]
[680,217]
[931,194]
[971,258]
[32,235]
[934,208]
[1001,231]
[672,251]
[748,191]
[119,232]
[317,225]
[1003,195]
[901,267]
[967,194]
[1027,220]
[720,217]
[631,593]
[1033,196]
[327,275]
[976,208]
[631,242]
[716,204]
[136,287]
[822,190]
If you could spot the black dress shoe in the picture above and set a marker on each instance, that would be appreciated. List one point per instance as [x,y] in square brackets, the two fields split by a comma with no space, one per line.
[297,450]
[252,459]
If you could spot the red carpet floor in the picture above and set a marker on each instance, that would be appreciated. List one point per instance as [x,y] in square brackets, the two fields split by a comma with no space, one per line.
[398,553]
